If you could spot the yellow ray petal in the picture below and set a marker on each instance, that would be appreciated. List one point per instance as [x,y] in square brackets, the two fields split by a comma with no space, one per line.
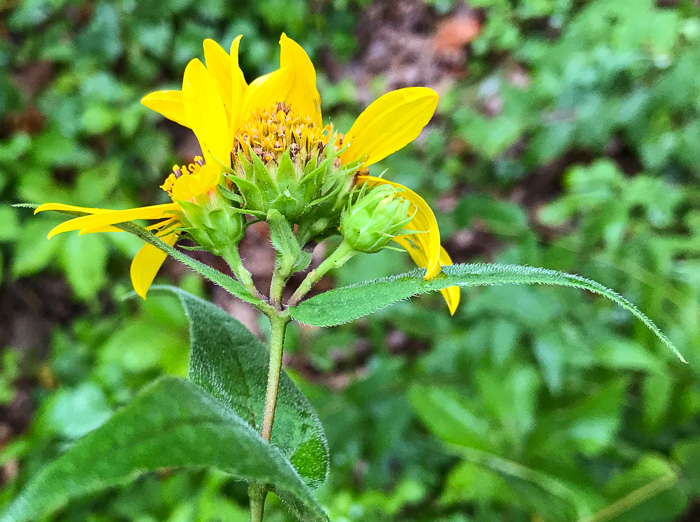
[426,252]
[303,95]
[451,293]
[263,92]
[238,85]
[146,264]
[390,123]
[169,104]
[60,207]
[69,208]
[206,112]
[110,228]
[114,217]
[219,66]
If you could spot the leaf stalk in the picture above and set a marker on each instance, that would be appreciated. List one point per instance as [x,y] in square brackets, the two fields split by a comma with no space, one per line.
[233,259]
[338,258]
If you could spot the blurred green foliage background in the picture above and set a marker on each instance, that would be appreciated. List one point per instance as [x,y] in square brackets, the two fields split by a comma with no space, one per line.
[567,136]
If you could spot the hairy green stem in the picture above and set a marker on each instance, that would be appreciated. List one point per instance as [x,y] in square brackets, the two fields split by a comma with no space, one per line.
[257,494]
[279,319]
[278,326]
[338,258]
[233,259]
[279,280]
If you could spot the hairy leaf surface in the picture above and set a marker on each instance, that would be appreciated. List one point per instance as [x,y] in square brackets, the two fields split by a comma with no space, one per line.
[170,423]
[231,364]
[342,305]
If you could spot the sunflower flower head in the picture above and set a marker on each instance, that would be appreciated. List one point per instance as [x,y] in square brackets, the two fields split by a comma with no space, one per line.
[271,131]
[284,161]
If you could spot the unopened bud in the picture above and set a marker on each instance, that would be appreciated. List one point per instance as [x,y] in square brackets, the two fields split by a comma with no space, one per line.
[375,218]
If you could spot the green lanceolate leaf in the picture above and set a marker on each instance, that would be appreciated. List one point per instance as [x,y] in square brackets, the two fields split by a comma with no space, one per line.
[351,302]
[348,303]
[171,423]
[231,364]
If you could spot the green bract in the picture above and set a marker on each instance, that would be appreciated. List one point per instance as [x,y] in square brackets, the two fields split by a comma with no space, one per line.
[284,162]
[311,196]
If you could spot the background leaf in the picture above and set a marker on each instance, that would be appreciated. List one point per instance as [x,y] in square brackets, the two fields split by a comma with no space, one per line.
[602,180]
[84,260]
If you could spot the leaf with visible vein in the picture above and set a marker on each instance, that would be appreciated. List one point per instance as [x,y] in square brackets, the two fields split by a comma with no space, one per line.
[170,423]
[342,305]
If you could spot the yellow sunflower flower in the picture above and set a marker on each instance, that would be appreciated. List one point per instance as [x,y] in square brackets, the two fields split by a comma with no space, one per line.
[225,113]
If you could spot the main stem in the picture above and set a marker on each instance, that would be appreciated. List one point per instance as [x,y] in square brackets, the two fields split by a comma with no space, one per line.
[278,326]
[257,494]
[279,319]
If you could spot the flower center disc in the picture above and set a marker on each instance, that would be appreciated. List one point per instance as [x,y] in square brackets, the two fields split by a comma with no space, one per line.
[268,133]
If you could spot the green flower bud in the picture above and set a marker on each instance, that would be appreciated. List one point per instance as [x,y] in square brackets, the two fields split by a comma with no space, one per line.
[212,222]
[374,218]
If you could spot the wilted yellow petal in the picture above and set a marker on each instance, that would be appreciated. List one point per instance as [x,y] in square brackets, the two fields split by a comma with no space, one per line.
[263,92]
[219,67]
[114,217]
[425,250]
[206,112]
[303,95]
[146,264]
[451,293]
[193,185]
[169,104]
[390,123]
